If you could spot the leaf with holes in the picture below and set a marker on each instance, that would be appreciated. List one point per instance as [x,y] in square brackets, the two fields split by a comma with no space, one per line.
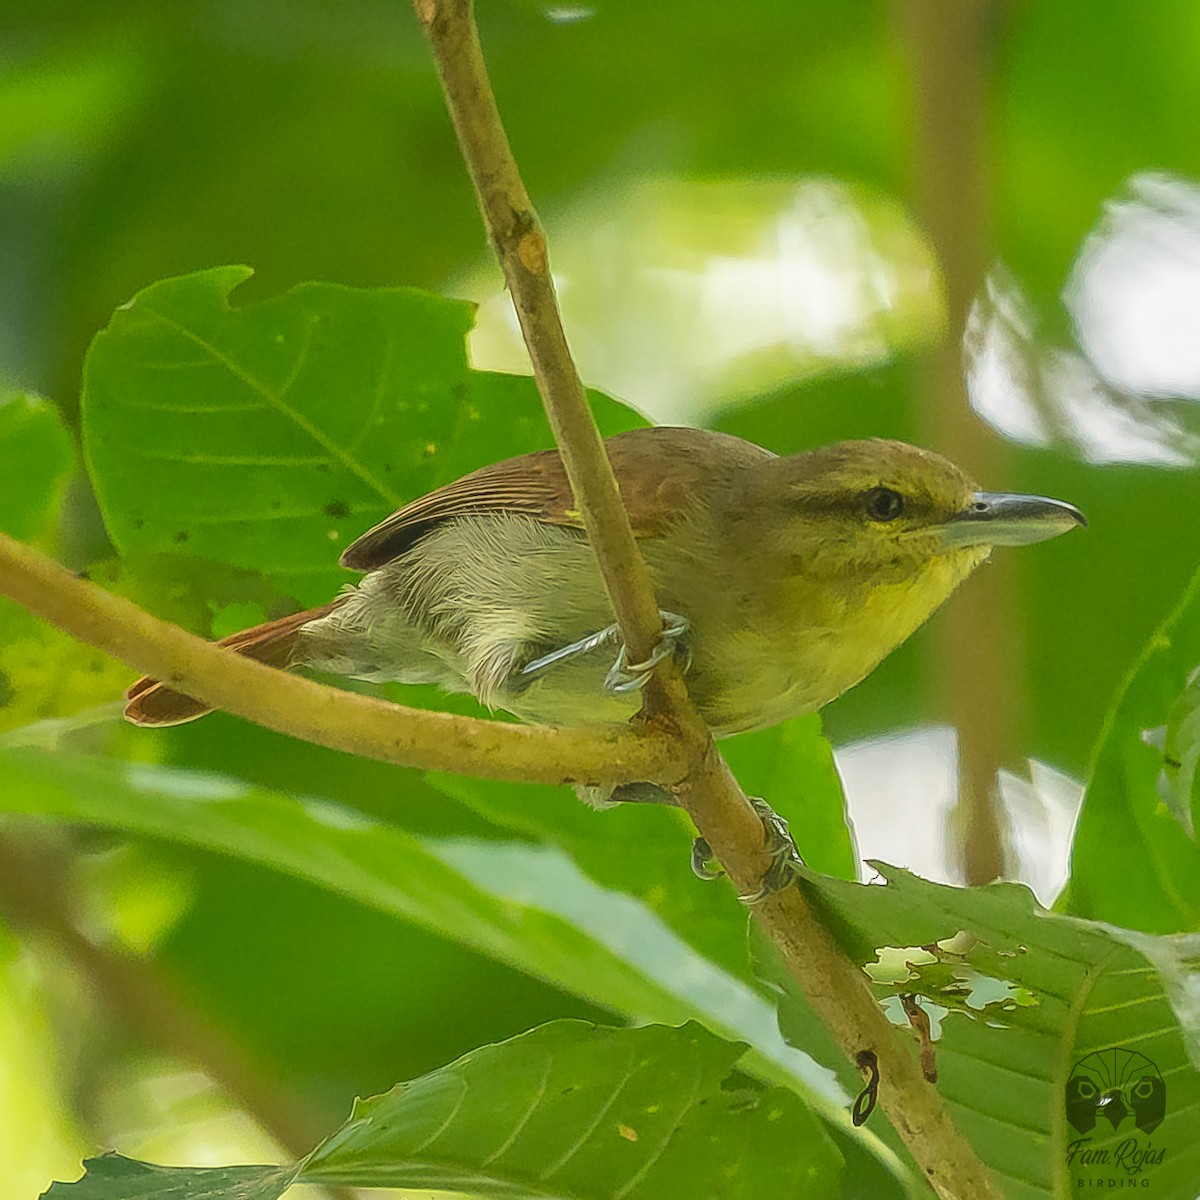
[269,435]
[1047,993]
[569,1111]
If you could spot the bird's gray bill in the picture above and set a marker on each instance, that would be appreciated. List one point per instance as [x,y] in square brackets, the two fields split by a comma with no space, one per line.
[1005,519]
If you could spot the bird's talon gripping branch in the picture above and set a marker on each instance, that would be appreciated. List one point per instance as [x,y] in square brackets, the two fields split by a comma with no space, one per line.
[781,847]
[624,676]
[702,861]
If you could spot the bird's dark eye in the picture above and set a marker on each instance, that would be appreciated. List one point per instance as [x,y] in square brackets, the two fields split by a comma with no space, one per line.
[883,504]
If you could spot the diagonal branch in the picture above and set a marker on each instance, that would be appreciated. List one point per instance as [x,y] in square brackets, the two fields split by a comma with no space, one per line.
[835,986]
[410,737]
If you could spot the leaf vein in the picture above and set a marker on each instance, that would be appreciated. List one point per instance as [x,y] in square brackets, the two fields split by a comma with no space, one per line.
[459,1100]
[236,460]
[1121,1004]
[525,1117]
[277,401]
[582,1140]
[376,398]
[193,409]
[661,1148]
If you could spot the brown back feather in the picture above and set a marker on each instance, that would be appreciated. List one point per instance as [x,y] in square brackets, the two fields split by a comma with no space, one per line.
[661,472]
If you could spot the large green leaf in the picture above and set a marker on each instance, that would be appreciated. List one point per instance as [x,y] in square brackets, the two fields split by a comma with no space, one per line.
[1135,860]
[269,435]
[1031,994]
[569,1111]
[525,906]
[791,765]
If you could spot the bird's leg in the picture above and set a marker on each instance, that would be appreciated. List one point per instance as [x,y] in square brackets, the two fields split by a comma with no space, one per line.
[623,676]
[605,637]
[781,847]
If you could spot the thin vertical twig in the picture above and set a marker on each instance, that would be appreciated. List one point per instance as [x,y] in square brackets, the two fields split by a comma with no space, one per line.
[834,985]
[520,245]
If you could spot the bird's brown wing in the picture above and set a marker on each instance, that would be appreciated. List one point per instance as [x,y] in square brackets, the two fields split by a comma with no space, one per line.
[663,472]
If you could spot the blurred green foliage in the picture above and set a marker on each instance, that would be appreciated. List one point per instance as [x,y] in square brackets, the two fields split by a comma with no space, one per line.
[340,952]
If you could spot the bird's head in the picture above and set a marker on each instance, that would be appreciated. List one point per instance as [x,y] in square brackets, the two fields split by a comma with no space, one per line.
[870,537]
[889,511]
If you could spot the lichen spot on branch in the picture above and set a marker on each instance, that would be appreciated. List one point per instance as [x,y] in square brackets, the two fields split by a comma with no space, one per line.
[531,250]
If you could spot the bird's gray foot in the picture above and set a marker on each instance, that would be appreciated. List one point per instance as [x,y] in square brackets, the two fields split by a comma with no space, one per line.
[785,858]
[781,847]
[624,676]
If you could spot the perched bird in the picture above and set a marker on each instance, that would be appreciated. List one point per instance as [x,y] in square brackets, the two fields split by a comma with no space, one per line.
[782,580]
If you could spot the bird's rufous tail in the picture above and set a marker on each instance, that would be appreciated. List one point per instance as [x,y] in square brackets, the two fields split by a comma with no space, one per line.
[150,702]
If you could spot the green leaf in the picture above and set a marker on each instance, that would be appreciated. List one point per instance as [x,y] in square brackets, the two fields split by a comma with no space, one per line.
[569,1111]
[1004,1065]
[43,673]
[599,843]
[36,459]
[574,1111]
[1179,783]
[268,436]
[46,674]
[791,765]
[113,1177]
[529,908]
[1134,862]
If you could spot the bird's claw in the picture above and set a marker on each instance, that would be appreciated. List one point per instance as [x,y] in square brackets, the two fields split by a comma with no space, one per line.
[702,861]
[624,676]
[781,847]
